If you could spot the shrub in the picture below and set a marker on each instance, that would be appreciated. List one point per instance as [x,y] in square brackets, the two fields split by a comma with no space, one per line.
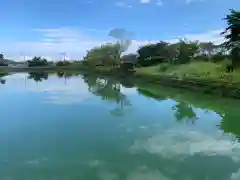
[227,65]
[63,63]
[164,66]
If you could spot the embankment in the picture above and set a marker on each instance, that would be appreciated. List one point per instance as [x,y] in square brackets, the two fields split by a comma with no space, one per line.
[221,89]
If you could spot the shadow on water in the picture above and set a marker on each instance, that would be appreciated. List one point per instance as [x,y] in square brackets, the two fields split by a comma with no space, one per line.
[109,89]
[38,76]
[67,74]
[179,165]
[186,100]
[2,75]
[184,111]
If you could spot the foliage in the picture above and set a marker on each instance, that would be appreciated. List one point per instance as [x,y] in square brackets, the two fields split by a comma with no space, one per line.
[164,66]
[2,63]
[152,54]
[104,55]
[186,51]
[195,70]
[184,111]
[2,81]
[108,90]
[177,53]
[232,36]
[63,63]
[1,57]
[66,74]
[129,58]
[37,61]
[38,76]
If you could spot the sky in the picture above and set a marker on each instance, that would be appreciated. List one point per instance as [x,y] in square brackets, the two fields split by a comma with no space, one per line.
[50,27]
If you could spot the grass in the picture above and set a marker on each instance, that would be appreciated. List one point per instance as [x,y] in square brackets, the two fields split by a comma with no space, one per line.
[195,70]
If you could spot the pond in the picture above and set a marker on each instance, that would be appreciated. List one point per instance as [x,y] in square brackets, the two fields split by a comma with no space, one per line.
[69,126]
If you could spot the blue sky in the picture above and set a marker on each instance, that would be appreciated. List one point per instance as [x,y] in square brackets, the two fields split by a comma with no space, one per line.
[49,27]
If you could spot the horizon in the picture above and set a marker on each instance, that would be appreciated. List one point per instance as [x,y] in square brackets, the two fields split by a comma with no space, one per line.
[48,29]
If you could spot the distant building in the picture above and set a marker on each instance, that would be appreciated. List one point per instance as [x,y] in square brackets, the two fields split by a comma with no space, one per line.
[18,64]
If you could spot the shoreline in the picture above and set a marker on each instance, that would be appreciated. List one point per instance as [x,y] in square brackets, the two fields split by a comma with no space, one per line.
[216,88]
[29,69]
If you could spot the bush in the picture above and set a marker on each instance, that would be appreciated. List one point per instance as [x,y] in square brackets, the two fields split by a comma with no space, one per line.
[3,64]
[37,61]
[164,66]
[227,65]
[63,63]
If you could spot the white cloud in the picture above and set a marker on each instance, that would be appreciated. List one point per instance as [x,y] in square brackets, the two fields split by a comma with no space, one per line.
[167,144]
[145,1]
[61,92]
[213,36]
[75,42]
[148,175]
[193,1]
[123,4]
[236,176]
[159,2]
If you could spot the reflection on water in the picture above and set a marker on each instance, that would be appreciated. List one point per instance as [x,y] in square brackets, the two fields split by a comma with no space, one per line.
[72,126]
[38,76]
[184,111]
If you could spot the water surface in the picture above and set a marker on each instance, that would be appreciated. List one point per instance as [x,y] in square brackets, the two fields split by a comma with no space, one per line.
[70,127]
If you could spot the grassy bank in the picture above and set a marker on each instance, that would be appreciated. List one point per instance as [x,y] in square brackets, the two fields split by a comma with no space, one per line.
[195,70]
[207,77]
[227,108]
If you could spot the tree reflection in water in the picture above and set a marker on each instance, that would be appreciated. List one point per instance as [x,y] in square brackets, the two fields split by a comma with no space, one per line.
[66,75]
[2,80]
[184,111]
[109,90]
[38,76]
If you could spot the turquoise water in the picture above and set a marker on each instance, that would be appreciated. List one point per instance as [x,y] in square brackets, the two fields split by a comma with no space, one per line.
[71,127]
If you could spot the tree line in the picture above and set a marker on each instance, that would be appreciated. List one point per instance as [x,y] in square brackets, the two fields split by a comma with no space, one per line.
[181,52]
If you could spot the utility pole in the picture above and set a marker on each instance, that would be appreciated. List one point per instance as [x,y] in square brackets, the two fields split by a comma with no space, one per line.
[64,55]
[24,56]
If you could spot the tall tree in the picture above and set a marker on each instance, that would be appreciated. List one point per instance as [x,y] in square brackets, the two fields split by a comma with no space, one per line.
[232,36]
[107,55]
[152,54]
[207,48]
[1,57]
[186,51]
[37,61]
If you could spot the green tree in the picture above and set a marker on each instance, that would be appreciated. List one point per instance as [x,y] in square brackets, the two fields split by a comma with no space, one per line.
[37,61]
[105,55]
[108,90]
[179,53]
[206,51]
[128,62]
[1,57]
[2,81]
[186,51]
[152,54]
[63,63]
[184,111]
[129,58]
[38,76]
[232,36]
[2,63]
